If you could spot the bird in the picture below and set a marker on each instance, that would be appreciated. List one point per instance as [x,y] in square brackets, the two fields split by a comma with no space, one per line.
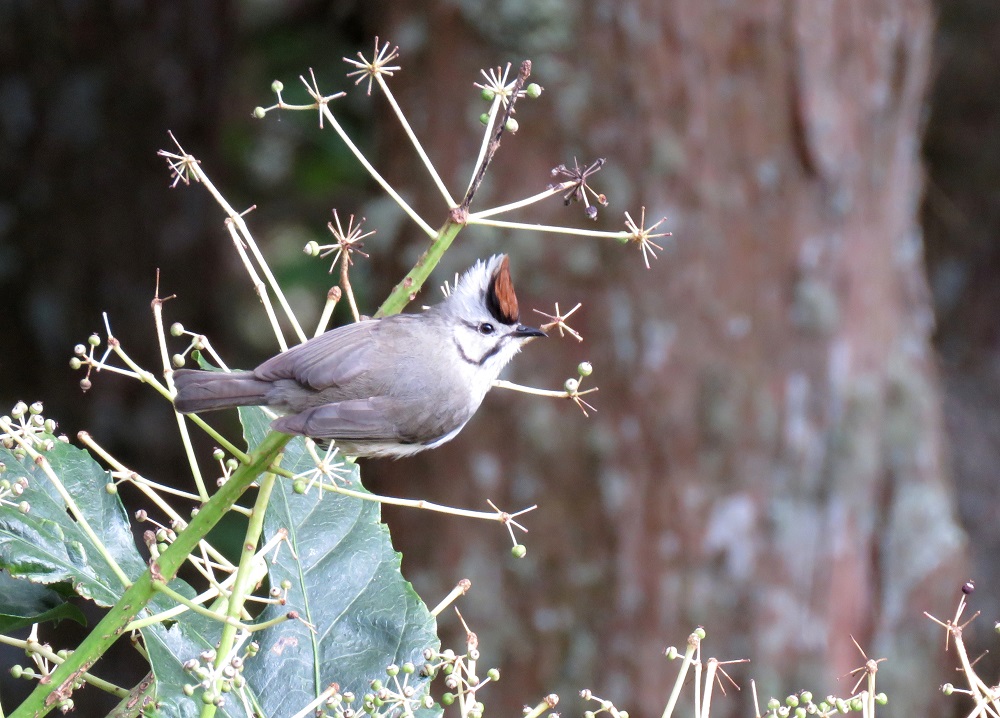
[387,387]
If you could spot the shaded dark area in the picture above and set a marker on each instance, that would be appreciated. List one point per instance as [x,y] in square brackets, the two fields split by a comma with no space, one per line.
[88,92]
[961,219]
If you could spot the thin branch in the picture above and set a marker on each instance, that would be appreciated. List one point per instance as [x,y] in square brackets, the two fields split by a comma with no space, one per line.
[522,77]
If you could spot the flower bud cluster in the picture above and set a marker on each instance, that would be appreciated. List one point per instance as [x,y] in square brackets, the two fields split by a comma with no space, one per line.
[801,705]
[214,681]
[25,425]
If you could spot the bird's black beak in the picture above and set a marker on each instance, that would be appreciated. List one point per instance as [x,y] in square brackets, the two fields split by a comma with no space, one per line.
[526,333]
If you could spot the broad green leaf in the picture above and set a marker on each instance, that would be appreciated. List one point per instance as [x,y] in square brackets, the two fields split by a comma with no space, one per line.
[345,582]
[23,603]
[169,648]
[47,545]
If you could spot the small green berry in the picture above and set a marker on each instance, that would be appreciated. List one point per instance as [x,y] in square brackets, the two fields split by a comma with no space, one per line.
[857,704]
[188,690]
[534,90]
[75,363]
[700,632]
[881,698]
[671,653]
[511,125]
[392,670]
[447,699]
[488,94]
[773,704]
[176,329]
[585,368]
[299,486]
[493,674]
[16,671]
[277,86]
[208,697]
[376,685]
[218,454]
[311,248]
[408,668]
[111,488]
[519,551]
[94,340]
[571,385]
[806,696]
[259,112]
[177,360]
[485,118]
[792,701]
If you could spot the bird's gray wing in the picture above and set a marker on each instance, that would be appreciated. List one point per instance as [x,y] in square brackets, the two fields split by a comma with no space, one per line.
[356,419]
[329,360]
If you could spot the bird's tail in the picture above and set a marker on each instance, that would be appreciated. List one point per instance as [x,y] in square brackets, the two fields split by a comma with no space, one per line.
[209,390]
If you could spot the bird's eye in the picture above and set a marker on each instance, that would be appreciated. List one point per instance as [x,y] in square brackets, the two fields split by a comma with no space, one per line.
[486,328]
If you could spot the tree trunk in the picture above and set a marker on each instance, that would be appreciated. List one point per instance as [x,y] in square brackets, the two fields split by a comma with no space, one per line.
[766,459]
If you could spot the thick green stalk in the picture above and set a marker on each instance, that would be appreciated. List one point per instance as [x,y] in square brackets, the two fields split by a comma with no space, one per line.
[59,685]
[243,584]
[404,292]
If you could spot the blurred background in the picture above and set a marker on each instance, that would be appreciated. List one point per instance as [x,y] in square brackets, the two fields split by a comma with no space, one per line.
[799,414]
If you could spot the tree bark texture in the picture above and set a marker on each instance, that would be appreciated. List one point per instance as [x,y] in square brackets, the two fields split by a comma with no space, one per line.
[766,460]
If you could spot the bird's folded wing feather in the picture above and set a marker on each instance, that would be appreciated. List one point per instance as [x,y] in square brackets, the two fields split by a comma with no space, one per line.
[368,419]
[331,359]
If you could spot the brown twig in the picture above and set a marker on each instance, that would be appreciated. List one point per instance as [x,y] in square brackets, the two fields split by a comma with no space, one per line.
[522,77]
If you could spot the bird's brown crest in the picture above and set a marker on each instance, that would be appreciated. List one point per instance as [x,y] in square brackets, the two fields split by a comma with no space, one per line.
[500,299]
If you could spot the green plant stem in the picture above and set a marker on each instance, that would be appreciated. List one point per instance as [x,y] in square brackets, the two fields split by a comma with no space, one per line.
[244,578]
[404,292]
[50,655]
[692,646]
[161,340]
[173,595]
[45,696]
